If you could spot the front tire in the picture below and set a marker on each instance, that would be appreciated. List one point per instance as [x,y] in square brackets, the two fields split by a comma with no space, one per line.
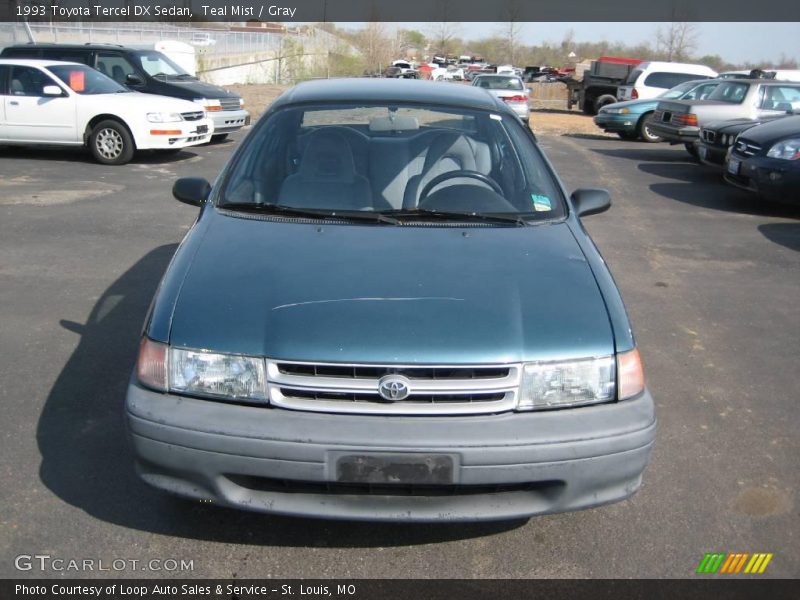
[692,150]
[110,143]
[644,130]
[603,101]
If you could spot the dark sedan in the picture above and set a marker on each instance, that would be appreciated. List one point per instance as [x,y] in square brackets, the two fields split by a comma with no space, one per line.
[388,309]
[766,160]
[717,137]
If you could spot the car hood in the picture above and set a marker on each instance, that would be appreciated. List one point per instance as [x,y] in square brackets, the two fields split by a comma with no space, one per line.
[144,102]
[201,89]
[736,125]
[387,294]
[774,130]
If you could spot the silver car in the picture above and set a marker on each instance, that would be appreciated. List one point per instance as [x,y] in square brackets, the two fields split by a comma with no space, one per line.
[509,88]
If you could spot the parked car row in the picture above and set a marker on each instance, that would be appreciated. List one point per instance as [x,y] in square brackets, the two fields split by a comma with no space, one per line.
[110,99]
[742,125]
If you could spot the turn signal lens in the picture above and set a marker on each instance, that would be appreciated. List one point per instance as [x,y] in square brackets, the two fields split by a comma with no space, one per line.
[151,368]
[630,375]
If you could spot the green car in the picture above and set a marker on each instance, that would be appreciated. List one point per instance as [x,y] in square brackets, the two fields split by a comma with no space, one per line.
[630,119]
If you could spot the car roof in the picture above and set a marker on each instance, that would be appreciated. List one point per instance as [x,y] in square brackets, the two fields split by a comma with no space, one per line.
[761,80]
[87,46]
[36,62]
[390,90]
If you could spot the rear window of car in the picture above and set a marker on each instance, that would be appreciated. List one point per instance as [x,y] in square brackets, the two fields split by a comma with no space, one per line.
[666,80]
[499,83]
[635,74]
[732,92]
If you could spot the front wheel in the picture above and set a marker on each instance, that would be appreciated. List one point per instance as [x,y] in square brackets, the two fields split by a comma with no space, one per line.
[111,143]
[645,132]
[602,101]
[691,149]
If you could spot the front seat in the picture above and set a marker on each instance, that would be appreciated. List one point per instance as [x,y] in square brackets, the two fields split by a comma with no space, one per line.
[448,152]
[118,74]
[327,176]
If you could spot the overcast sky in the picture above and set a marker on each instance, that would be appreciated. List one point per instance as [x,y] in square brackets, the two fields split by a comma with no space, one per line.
[734,42]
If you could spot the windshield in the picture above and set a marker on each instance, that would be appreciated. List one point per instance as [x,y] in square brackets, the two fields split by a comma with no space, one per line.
[490,82]
[85,80]
[732,92]
[156,64]
[393,160]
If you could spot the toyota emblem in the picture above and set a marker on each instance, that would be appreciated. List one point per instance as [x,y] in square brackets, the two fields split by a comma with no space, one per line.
[393,388]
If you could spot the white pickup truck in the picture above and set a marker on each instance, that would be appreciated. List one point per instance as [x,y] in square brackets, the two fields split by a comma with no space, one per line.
[68,104]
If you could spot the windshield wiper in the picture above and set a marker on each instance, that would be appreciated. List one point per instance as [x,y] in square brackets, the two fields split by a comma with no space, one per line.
[185,76]
[313,213]
[439,215]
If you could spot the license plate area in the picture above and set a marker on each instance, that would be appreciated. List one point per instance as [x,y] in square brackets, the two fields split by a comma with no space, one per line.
[393,468]
[202,129]
[733,166]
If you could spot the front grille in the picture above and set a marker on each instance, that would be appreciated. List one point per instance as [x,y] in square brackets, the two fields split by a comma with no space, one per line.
[230,103]
[708,136]
[293,486]
[192,116]
[354,388]
[747,148]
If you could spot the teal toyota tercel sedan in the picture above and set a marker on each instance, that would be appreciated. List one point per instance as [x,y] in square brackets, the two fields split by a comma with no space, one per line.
[388,309]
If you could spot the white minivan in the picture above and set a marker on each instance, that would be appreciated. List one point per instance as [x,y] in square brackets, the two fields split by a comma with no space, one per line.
[649,79]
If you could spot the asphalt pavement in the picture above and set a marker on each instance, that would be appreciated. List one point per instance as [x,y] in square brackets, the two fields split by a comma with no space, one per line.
[711,279]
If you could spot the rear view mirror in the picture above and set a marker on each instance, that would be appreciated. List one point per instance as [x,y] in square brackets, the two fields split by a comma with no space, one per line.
[191,190]
[52,90]
[590,201]
[133,79]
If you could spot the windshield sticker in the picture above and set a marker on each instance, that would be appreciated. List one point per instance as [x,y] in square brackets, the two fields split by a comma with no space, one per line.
[541,203]
[77,81]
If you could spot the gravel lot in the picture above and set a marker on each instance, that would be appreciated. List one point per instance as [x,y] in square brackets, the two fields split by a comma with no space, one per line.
[711,279]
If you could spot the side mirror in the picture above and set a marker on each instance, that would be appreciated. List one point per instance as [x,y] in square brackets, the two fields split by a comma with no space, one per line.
[590,201]
[52,90]
[133,79]
[191,190]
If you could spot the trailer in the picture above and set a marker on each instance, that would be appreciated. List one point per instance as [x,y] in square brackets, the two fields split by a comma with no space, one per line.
[598,85]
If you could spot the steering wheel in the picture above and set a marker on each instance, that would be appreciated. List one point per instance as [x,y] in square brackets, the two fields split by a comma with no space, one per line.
[455,175]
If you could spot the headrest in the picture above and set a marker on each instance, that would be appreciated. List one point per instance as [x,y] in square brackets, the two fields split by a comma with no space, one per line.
[327,157]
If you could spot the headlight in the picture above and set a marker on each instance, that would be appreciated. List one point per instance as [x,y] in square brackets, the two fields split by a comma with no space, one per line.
[617,111]
[209,104]
[228,376]
[723,139]
[787,150]
[568,383]
[164,117]
[241,102]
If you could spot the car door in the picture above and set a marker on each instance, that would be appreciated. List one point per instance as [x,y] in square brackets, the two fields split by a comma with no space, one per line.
[31,116]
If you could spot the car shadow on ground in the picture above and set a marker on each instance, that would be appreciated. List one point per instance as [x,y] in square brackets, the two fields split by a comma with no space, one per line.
[784,234]
[704,187]
[591,136]
[644,152]
[82,155]
[87,460]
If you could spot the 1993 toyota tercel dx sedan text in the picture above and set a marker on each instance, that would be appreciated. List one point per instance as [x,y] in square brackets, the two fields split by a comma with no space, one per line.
[388,309]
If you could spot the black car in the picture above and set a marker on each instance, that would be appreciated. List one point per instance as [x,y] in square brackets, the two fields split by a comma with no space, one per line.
[717,137]
[147,71]
[766,160]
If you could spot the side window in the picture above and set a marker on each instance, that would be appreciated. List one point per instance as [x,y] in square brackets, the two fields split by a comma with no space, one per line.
[27,81]
[67,56]
[702,92]
[115,66]
[4,71]
[779,97]
[667,80]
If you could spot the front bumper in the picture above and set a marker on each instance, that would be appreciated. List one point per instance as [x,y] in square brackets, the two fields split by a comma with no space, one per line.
[175,135]
[615,123]
[509,465]
[228,121]
[713,156]
[675,135]
[772,179]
